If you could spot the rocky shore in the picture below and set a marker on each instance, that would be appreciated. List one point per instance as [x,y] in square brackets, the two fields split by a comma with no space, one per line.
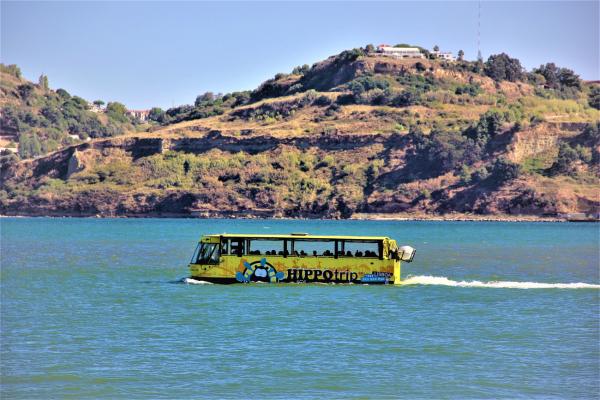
[358,216]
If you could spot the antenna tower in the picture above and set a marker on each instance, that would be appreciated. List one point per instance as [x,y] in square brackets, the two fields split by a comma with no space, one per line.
[479,57]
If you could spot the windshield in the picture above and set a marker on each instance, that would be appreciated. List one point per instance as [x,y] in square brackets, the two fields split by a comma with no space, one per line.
[208,254]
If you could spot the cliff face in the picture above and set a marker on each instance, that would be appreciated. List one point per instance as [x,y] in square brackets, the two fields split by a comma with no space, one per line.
[353,135]
[330,175]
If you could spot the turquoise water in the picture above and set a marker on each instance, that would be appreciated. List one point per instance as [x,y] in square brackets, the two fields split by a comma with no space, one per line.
[92,309]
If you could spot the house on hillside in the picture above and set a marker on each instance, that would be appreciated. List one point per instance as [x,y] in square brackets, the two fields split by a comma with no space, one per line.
[6,150]
[444,55]
[95,108]
[399,52]
[142,115]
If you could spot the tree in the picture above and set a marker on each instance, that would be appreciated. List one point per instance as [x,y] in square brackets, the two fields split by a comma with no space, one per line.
[461,55]
[501,67]
[565,162]
[63,94]
[156,114]
[370,48]
[550,73]
[43,82]
[203,99]
[568,78]
[29,146]
[558,78]
[488,126]
[504,170]
[536,79]
[98,103]
[436,48]
[117,111]
[594,97]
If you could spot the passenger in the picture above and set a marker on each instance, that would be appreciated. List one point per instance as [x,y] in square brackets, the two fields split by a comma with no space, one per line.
[358,253]
[302,253]
[348,253]
[280,252]
[296,254]
[314,253]
[327,253]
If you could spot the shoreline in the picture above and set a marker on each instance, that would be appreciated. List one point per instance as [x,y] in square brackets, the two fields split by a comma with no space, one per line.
[357,217]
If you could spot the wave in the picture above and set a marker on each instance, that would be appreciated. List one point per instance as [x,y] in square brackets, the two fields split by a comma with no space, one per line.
[443,281]
[190,281]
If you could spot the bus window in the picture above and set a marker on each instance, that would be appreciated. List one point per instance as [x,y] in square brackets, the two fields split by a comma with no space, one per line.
[312,248]
[209,254]
[225,246]
[195,256]
[358,249]
[236,247]
[265,247]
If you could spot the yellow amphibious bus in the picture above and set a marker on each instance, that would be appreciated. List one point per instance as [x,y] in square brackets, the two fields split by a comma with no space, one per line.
[298,257]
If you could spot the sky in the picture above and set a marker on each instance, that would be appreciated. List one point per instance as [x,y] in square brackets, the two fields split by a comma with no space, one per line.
[164,54]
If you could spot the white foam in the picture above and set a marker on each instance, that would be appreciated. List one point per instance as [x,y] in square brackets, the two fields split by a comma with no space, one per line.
[443,281]
[191,281]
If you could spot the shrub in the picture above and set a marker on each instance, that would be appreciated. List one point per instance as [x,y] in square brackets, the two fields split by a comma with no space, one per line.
[440,152]
[156,114]
[406,98]
[471,89]
[564,162]
[323,101]
[11,69]
[591,132]
[366,83]
[29,146]
[504,171]
[301,70]
[594,97]
[25,90]
[488,126]
[63,94]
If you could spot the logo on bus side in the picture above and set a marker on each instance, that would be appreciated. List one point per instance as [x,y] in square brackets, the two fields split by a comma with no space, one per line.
[259,271]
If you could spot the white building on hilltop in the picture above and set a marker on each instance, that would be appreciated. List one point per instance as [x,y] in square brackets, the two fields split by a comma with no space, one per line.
[399,52]
[142,115]
[444,55]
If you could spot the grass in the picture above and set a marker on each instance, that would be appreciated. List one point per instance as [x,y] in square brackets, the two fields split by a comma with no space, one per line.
[538,163]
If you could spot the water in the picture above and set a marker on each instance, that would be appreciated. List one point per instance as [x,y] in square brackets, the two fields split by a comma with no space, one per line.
[91,309]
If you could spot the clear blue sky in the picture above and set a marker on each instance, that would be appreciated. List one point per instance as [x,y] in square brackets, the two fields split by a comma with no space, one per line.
[158,54]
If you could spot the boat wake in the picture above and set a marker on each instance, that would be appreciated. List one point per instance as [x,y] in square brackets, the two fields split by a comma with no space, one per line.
[190,281]
[443,281]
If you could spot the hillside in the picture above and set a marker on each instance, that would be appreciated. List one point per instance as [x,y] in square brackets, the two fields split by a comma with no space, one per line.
[357,134]
[38,120]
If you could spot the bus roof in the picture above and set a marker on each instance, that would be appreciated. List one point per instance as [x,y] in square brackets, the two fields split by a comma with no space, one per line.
[304,236]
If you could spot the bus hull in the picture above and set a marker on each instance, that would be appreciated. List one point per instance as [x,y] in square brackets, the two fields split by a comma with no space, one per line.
[307,269]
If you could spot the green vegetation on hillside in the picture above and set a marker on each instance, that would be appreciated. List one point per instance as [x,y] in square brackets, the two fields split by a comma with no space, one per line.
[41,119]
